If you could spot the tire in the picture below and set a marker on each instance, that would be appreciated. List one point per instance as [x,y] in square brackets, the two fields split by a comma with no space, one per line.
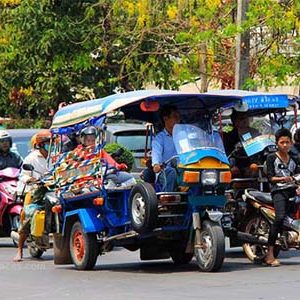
[83,248]
[35,252]
[178,254]
[257,225]
[210,255]
[143,207]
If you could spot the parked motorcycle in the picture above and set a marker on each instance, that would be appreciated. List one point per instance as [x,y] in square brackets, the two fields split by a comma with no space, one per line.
[260,215]
[10,208]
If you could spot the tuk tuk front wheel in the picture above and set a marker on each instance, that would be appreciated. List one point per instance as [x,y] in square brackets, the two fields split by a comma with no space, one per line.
[143,207]
[210,252]
[83,248]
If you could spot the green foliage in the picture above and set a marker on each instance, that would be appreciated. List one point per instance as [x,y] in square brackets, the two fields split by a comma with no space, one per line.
[126,157]
[51,51]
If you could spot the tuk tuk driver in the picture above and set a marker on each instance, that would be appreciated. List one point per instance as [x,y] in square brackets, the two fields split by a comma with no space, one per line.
[163,148]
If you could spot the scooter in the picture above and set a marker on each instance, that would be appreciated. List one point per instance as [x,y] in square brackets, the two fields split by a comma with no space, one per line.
[260,215]
[37,241]
[10,208]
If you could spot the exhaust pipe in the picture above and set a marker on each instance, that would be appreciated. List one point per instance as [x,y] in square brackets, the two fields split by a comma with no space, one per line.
[246,237]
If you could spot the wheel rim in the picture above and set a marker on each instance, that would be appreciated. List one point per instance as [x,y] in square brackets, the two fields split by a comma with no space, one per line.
[78,245]
[138,209]
[256,227]
[205,252]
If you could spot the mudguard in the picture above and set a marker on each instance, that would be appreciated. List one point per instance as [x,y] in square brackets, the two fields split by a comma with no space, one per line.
[88,218]
[15,209]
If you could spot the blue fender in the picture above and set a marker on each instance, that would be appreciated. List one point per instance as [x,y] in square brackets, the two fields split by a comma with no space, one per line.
[88,219]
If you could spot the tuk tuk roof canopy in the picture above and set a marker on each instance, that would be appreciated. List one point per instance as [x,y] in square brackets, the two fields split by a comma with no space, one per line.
[78,114]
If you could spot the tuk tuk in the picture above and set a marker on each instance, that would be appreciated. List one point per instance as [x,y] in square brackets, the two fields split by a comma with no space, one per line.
[180,224]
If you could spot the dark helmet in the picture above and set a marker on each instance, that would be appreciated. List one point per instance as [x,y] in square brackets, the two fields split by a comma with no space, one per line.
[90,130]
[4,135]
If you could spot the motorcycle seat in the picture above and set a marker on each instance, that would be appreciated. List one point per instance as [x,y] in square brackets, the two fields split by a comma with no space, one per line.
[261,196]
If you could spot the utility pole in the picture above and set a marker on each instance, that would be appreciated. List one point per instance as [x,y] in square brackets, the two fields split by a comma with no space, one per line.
[242,64]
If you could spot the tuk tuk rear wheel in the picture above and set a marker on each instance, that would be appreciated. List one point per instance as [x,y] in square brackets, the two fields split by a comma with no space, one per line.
[83,248]
[210,252]
[143,207]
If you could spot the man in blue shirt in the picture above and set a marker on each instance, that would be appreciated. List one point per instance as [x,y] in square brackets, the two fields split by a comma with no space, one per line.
[163,148]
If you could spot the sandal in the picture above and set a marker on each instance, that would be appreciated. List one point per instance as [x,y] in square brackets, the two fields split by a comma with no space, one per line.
[272,263]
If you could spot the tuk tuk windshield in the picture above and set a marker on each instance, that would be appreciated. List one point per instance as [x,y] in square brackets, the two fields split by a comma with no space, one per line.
[189,137]
[260,135]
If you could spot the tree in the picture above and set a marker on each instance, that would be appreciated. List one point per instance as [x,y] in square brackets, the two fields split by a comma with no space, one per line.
[46,55]
[54,51]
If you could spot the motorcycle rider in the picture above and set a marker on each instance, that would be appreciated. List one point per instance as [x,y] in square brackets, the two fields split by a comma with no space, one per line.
[241,127]
[8,159]
[38,159]
[280,167]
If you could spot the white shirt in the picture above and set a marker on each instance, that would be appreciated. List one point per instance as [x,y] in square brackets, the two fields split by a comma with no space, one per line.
[39,163]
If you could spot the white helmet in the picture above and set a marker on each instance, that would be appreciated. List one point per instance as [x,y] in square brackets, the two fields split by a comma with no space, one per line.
[5,135]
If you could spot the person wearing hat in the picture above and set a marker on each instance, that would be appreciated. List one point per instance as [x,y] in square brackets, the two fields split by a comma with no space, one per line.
[8,159]
[38,159]
[241,128]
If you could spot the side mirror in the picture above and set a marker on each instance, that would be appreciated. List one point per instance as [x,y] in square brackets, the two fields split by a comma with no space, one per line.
[28,167]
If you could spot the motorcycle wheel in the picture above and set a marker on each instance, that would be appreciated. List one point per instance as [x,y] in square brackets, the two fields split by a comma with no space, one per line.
[84,249]
[178,254]
[211,251]
[257,226]
[35,252]
[143,207]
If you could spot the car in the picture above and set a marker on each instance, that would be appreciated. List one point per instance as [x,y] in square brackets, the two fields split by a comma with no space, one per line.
[133,137]
[21,140]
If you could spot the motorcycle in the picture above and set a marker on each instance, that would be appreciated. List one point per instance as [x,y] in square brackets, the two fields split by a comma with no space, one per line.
[260,215]
[37,241]
[10,208]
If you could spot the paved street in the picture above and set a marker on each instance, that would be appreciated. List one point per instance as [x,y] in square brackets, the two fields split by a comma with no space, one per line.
[121,275]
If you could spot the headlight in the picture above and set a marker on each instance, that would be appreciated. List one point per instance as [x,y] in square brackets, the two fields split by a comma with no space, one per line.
[209,177]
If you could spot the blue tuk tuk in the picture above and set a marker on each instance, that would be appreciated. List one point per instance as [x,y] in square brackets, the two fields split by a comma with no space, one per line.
[180,224]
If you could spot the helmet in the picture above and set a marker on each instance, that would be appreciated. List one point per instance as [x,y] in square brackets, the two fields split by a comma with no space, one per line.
[33,141]
[90,130]
[41,137]
[4,135]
